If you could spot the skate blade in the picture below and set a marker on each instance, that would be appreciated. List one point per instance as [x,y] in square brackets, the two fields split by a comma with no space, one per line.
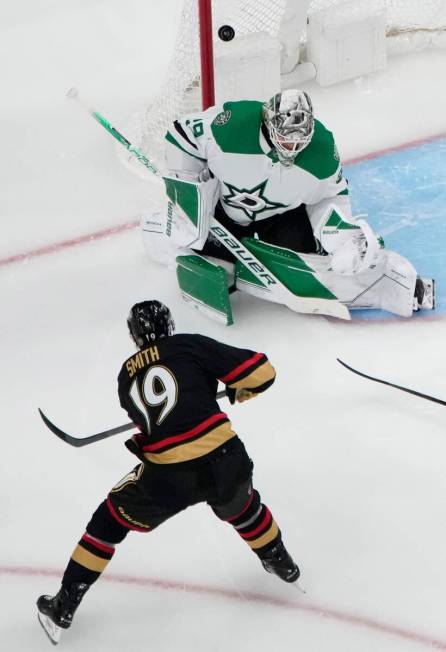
[51,629]
[298,586]
[432,301]
[428,299]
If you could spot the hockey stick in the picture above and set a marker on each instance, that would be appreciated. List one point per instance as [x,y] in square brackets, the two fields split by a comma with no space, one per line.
[73,94]
[386,382]
[269,281]
[78,442]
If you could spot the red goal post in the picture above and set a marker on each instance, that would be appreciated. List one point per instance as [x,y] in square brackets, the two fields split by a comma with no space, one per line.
[206,53]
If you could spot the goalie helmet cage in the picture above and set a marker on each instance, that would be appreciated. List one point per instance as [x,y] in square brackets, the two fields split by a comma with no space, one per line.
[189,83]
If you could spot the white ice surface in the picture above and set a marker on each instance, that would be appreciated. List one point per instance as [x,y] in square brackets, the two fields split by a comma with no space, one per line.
[354,472]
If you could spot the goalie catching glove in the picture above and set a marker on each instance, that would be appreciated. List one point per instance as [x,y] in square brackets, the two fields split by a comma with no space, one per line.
[349,241]
[359,252]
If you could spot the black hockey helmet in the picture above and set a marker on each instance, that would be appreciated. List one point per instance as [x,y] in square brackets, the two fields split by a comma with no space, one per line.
[148,321]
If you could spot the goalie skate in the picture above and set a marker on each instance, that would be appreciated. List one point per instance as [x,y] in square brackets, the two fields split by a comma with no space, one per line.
[424,298]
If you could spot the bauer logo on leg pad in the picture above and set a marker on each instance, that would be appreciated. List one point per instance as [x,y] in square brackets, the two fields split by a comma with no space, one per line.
[169,219]
[243,254]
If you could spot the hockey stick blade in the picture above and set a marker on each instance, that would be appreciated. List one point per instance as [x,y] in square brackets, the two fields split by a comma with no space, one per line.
[386,382]
[78,442]
[83,441]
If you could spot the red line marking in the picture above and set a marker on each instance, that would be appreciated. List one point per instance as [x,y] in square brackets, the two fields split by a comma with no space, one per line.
[319,611]
[55,247]
[396,148]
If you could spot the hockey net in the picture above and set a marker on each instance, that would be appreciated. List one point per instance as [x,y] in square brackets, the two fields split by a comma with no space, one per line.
[411,25]
[403,16]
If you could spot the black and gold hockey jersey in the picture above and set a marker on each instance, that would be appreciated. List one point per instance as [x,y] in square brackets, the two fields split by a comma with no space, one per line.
[169,391]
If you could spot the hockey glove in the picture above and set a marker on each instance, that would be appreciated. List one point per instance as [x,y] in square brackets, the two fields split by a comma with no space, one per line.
[135,444]
[231,393]
[358,253]
[239,395]
[244,395]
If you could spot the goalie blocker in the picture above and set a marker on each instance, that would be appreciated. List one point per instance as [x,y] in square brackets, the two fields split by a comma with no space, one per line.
[357,274]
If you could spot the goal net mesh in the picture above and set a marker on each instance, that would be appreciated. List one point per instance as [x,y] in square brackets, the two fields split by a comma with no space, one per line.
[181,92]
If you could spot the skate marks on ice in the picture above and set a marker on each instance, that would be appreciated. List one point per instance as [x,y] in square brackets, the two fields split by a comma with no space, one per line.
[404,194]
[301,603]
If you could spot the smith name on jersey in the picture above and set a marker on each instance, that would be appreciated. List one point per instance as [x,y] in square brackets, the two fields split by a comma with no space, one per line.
[169,391]
[232,141]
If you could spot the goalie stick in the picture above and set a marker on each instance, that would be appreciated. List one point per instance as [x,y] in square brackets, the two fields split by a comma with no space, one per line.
[306,305]
[386,382]
[78,442]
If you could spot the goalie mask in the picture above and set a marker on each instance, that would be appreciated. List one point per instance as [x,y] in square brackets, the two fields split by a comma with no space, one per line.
[289,119]
[148,321]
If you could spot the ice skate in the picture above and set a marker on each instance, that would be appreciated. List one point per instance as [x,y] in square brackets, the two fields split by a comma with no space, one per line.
[424,298]
[278,561]
[56,613]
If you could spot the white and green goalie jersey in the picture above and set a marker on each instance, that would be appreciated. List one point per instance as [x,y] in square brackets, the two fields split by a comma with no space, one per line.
[232,142]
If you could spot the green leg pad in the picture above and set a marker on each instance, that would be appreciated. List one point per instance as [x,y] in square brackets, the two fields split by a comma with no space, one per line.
[206,286]
[287,266]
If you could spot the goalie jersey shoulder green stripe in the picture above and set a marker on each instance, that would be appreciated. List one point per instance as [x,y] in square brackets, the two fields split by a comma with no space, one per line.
[236,129]
[320,157]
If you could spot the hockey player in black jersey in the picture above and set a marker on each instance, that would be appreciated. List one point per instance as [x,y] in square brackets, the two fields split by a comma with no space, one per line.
[187,449]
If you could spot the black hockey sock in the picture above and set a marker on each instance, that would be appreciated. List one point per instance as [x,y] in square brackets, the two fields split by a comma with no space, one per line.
[89,559]
[256,525]
[95,549]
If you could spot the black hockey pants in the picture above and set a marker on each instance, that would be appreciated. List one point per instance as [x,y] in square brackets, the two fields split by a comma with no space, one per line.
[152,493]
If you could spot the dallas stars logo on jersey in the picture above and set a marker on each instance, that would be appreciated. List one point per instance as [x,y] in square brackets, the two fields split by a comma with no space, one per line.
[251,201]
